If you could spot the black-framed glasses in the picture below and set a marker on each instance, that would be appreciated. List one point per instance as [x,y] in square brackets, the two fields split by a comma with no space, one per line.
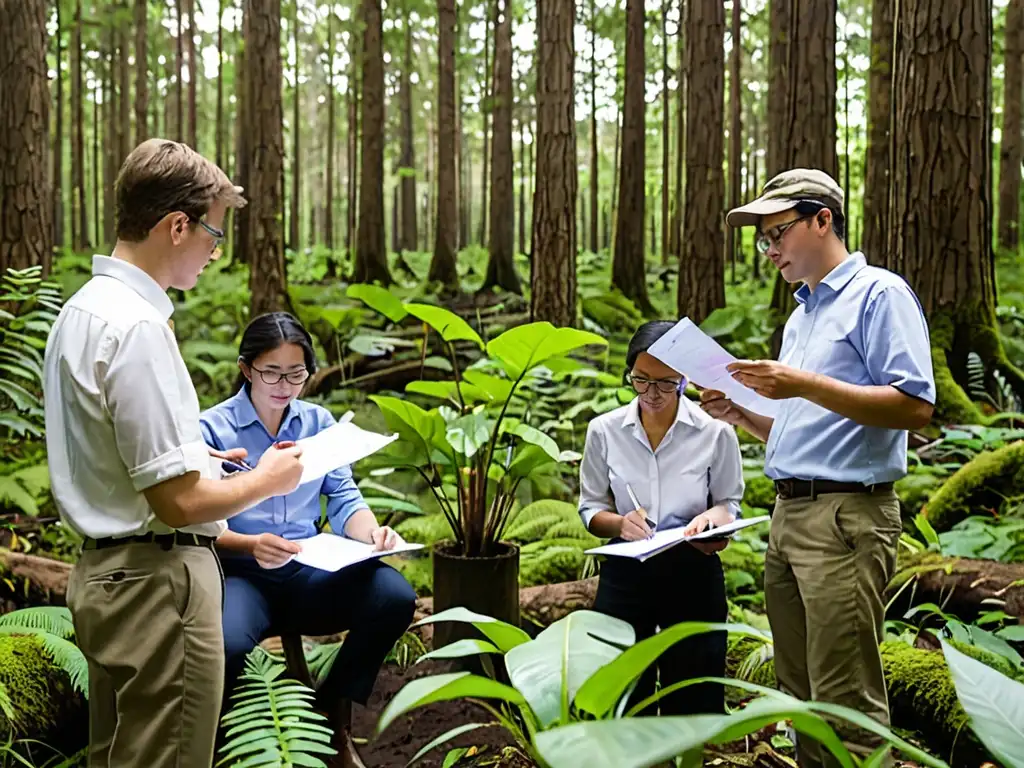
[218,234]
[765,240]
[273,377]
[641,384]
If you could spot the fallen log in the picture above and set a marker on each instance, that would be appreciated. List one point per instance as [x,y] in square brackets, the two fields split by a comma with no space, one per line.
[31,580]
[960,586]
[978,486]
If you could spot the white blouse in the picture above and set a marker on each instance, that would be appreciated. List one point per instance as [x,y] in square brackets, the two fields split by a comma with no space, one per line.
[697,466]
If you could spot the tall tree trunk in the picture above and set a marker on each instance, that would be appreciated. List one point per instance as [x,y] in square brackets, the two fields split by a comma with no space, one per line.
[485,112]
[58,150]
[142,71]
[941,214]
[754,189]
[240,251]
[267,275]
[26,227]
[522,182]
[1010,144]
[442,265]
[219,118]
[628,265]
[501,266]
[350,154]
[876,174]
[193,137]
[179,98]
[594,168]
[111,140]
[735,130]
[462,157]
[553,275]
[329,206]
[124,85]
[675,244]
[371,263]
[407,240]
[79,207]
[97,99]
[293,218]
[665,133]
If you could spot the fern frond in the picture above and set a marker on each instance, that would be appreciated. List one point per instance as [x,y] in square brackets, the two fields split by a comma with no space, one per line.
[6,705]
[56,620]
[66,656]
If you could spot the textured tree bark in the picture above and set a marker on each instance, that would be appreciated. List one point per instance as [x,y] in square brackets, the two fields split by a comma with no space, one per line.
[941,214]
[58,148]
[501,267]
[701,268]
[240,251]
[26,224]
[876,178]
[594,167]
[964,587]
[329,194]
[1010,143]
[294,220]
[267,274]
[179,97]
[219,118]
[675,241]
[735,130]
[629,272]
[485,113]
[79,206]
[193,138]
[407,240]
[111,139]
[665,132]
[124,86]
[442,265]
[553,279]
[142,75]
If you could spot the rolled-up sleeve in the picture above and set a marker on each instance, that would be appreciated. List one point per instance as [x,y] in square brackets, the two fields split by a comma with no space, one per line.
[897,347]
[595,489]
[153,407]
[344,498]
[726,475]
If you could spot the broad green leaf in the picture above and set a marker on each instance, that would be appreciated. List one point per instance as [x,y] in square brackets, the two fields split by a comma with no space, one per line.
[550,669]
[504,636]
[454,756]
[454,685]
[470,433]
[723,321]
[604,689]
[446,737]
[499,389]
[526,346]
[994,703]
[469,646]
[422,429]
[448,324]
[446,390]
[376,345]
[527,459]
[531,435]
[1013,633]
[379,300]
[926,530]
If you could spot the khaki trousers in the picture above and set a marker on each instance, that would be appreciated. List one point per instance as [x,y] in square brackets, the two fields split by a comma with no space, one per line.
[149,623]
[828,562]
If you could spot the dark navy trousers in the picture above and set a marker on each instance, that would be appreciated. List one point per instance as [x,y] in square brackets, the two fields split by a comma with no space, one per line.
[371,600]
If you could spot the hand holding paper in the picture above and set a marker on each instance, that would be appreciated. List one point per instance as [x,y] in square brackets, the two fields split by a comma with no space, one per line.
[337,446]
[662,540]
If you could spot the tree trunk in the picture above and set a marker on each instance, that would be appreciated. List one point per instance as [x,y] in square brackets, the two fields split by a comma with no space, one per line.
[179,98]
[522,183]
[963,587]
[97,98]
[463,176]
[111,141]
[79,207]
[876,176]
[58,150]
[240,251]
[124,133]
[701,268]
[485,112]
[267,273]
[26,227]
[350,159]
[193,138]
[442,265]
[329,204]
[675,242]
[1010,144]
[665,133]
[371,263]
[219,119]
[407,241]
[501,266]
[941,215]
[553,278]
[142,72]
[735,130]
[293,216]
[629,273]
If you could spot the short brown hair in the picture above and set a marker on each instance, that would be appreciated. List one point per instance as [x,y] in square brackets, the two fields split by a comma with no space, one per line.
[160,177]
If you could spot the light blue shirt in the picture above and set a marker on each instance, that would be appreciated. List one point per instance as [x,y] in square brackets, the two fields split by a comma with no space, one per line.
[234,424]
[862,325]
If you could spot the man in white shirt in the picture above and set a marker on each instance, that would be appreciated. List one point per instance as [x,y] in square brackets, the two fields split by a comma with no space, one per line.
[131,473]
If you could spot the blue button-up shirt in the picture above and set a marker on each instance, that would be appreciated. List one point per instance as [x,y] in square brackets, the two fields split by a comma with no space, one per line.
[235,424]
[862,325]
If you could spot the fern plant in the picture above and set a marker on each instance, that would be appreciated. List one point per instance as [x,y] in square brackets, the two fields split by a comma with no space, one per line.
[53,626]
[272,721]
[28,308]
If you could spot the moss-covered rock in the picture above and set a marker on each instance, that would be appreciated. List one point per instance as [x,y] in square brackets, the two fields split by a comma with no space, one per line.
[978,485]
[759,491]
[915,490]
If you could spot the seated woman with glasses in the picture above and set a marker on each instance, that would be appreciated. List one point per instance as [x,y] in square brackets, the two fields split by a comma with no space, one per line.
[660,463]
[265,591]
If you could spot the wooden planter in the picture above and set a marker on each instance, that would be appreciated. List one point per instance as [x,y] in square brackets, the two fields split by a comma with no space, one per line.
[487,585]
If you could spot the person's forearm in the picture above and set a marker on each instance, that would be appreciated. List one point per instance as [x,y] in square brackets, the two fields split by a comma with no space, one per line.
[870,406]
[720,514]
[606,525]
[191,499]
[230,541]
[361,525]
[756,424]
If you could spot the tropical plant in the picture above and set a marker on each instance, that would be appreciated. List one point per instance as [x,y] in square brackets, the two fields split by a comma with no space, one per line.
[272,721]
[474,437]
[28,308]
[568,698]
[56,633]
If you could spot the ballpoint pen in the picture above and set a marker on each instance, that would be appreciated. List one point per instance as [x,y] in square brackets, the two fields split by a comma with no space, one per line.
[636,506]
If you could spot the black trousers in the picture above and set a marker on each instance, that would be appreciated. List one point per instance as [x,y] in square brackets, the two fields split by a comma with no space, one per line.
[682,584]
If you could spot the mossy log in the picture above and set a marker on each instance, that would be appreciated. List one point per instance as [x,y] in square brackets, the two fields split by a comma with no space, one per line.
[29,580]
[979,486]
[963,587]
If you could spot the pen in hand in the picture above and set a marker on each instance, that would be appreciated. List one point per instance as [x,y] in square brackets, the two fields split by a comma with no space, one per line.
[638,508]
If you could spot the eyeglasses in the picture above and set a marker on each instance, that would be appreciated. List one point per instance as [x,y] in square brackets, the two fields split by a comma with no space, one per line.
[641,384]
[273,377]
[218,235]
[765,240]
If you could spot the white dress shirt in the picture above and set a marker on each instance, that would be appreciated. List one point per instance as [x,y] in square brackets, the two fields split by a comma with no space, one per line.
[121,412]
[697,466]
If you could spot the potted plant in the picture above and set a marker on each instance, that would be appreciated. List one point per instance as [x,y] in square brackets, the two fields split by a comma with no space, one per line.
[481,442]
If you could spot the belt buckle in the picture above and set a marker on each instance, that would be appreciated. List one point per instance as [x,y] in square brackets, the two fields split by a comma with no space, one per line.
[784,488]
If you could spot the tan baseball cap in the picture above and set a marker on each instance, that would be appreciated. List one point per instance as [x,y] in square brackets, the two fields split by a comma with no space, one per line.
[785,191]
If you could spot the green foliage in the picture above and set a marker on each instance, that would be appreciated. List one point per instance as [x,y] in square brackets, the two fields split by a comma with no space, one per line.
[24,486]
[52,627]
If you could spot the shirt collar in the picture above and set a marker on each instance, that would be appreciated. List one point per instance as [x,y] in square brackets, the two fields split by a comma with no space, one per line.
[683,414]
[136,279]
[838,278]
[244,411]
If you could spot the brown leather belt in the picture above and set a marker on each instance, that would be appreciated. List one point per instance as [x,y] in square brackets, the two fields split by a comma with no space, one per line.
[799,489]
[165,540]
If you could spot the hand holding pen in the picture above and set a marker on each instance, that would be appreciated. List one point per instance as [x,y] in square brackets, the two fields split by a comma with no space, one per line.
[636,525]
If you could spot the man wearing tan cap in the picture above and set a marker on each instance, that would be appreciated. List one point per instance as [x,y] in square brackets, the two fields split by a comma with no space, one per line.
[854,374]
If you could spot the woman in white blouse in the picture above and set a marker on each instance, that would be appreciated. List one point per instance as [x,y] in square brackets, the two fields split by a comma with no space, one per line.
[684,469]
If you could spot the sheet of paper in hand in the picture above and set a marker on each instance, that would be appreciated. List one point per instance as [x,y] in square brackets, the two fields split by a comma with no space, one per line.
[646,548]
[341,444]
[330,552]
[687,349]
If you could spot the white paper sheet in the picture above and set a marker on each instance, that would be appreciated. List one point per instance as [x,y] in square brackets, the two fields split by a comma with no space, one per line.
[687,349]
[662,540]
[338,445]
[330,552]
